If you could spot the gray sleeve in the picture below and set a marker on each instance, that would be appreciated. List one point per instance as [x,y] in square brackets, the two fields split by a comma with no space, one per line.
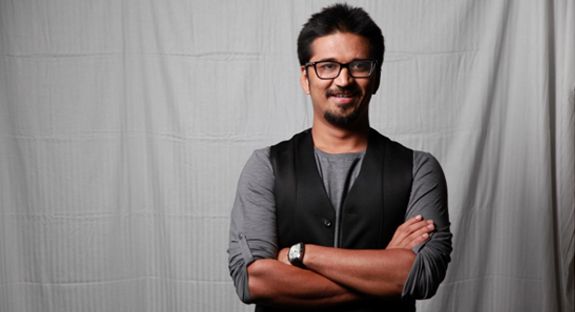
[253,220]
[429,198]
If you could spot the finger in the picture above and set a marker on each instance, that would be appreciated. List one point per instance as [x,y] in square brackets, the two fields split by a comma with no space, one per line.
[407,227]
[408,231]
[415,229]
[418,240]
[418,225]
[420,235]
[428,227]
[411,221]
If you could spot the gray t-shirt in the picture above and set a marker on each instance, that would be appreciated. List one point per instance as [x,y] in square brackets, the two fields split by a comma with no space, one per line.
[253,221]
[338,172]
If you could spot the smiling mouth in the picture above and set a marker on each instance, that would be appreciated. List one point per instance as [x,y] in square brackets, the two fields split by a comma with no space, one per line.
[343,95]
[342,98]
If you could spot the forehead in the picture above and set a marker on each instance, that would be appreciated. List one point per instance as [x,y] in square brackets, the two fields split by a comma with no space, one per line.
[340,46]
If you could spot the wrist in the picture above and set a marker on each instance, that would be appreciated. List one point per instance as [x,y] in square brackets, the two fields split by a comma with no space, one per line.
[311,255]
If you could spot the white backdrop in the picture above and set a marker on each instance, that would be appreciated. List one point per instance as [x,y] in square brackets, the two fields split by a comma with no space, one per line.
[124,126]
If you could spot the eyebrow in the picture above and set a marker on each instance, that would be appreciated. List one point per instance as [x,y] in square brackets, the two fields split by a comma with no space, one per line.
[331,59]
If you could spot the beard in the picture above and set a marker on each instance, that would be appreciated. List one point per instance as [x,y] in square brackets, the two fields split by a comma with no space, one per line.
[343,121]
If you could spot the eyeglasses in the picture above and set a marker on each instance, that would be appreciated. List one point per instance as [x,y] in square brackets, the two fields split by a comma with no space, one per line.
[330,69]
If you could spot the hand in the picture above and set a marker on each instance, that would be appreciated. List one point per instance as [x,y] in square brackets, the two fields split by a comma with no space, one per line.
[411,233]
[282,256]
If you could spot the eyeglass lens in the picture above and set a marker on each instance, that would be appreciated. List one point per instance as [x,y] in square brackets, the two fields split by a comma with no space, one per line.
[331,69]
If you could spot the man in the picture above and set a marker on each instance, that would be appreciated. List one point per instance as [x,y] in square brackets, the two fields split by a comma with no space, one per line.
[339,217]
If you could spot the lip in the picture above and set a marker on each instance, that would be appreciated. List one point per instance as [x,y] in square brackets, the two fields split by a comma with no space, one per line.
[343,100]
[342,97]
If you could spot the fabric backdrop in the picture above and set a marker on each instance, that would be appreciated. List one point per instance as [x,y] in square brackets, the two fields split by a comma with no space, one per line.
[124,126]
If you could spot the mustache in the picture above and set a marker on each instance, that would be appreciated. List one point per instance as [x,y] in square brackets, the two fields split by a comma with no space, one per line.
[352,91]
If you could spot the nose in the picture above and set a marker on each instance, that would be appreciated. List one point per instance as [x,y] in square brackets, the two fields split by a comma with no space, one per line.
[344,77]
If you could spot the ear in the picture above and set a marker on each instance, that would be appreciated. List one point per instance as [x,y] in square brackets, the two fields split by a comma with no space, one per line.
[303,80]
[375,81]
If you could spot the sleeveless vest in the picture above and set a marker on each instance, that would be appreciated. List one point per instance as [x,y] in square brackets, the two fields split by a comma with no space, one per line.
[371,211]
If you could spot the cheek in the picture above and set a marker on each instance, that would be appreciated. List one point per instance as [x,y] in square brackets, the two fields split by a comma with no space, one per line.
[320,86]
[367,89]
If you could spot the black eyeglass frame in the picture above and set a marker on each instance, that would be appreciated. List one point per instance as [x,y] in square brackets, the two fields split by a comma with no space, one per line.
[341,66]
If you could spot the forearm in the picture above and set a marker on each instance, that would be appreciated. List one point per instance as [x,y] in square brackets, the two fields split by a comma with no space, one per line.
[274,283]
[372,272]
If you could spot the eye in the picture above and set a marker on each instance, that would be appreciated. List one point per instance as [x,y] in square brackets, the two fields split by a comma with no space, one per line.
[361,66]
[327,66]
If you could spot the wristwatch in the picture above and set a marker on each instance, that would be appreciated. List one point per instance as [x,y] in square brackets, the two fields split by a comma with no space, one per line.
[296,253]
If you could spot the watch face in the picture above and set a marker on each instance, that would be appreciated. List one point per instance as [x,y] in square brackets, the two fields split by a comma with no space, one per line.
[294,252]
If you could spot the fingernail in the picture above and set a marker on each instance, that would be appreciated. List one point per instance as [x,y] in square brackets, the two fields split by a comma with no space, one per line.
[430,226]
[418,217]
[425,235]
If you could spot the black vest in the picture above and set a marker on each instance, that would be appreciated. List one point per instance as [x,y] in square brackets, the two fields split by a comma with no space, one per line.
[371,212]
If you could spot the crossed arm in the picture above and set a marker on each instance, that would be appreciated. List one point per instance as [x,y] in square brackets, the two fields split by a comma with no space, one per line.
[334,275]
[331,275]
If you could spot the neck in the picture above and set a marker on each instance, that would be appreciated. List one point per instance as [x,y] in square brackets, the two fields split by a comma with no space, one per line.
[335,140]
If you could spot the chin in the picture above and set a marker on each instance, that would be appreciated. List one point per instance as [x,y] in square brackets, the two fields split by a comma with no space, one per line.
[339,120]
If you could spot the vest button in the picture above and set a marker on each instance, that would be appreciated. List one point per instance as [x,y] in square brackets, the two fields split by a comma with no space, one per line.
[326,222]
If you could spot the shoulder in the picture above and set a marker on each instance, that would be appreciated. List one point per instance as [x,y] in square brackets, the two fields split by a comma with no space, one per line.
[260,162]
[425,164]
[286,145]
[260,156]
[394,148]
[258,165]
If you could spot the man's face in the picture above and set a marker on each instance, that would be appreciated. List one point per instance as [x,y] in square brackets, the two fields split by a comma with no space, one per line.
[344,100]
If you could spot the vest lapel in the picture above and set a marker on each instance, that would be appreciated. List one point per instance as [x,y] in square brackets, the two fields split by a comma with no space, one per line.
[372,210]
[362,211]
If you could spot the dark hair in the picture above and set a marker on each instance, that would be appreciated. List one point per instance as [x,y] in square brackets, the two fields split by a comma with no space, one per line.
[340,18]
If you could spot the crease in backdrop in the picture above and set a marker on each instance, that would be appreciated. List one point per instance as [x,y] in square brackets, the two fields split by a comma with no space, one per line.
[124,126]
